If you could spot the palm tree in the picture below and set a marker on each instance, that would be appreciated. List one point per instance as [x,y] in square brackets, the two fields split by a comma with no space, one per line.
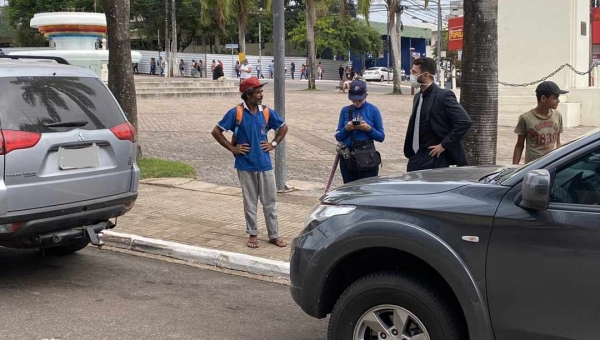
[479,89]
[312,6]
[363,7]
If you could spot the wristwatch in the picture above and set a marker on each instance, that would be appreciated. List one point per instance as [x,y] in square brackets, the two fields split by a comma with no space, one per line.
[274,143]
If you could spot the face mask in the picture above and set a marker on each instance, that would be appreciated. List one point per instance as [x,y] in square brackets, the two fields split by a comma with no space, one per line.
[414,82]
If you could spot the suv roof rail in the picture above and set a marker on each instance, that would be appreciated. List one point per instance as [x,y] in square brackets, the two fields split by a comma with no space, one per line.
[59,60]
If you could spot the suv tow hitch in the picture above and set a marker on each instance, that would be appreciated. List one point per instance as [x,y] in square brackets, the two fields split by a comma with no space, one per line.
[94,235]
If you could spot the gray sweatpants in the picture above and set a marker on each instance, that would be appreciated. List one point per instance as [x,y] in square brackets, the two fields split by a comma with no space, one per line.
[259,185]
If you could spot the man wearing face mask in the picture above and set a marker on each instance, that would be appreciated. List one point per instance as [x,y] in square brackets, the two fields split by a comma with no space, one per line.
[360,124]
[437,125]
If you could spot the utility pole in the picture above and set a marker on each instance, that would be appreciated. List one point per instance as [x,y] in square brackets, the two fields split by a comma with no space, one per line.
[439,43]
[174,38]
[167,41]
[260,48]
[279,54]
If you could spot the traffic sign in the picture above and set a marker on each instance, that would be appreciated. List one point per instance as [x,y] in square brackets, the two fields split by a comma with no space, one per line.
[231,45]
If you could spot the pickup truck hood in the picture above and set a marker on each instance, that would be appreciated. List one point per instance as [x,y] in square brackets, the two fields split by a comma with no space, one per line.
[424,182]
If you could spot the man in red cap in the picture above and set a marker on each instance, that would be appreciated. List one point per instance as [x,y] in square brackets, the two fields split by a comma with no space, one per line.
[250,122]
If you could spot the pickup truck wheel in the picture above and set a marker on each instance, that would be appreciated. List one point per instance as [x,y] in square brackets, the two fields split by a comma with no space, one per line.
[69,248]
[389,306]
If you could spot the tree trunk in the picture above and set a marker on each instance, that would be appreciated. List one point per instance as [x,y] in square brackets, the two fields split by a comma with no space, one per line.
[120,72]
[311,18]
[242,23]
[394,19]
[479,89]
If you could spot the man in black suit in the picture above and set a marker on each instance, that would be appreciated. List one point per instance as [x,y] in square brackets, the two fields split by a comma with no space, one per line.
[435,141]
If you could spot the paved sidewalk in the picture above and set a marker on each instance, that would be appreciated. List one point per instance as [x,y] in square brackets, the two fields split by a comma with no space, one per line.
[208,215]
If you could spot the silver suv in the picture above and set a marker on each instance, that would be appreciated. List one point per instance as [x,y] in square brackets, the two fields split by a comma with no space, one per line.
[67,156]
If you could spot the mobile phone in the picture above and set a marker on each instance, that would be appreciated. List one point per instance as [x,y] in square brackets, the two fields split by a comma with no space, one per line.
[356,122]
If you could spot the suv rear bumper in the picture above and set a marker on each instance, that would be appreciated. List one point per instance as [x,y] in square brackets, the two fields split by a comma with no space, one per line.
[67,216]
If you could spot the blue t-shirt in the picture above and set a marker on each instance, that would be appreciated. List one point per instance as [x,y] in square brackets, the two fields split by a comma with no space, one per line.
[252,131]
[368,113]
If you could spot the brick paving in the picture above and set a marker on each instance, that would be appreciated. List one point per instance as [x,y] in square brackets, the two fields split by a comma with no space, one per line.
[209,213]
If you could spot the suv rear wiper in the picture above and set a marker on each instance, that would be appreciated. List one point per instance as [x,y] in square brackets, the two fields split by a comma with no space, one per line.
[67,124]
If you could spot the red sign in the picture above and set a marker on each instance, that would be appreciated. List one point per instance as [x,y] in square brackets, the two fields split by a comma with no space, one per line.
[455,34]
[596,25]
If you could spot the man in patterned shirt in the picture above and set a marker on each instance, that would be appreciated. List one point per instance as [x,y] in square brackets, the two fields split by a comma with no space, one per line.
[540,127]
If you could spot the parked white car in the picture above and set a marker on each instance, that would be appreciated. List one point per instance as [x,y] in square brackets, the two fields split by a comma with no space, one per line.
[378,73]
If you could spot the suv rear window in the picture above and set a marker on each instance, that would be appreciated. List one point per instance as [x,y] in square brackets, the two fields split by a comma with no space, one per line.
[32,103]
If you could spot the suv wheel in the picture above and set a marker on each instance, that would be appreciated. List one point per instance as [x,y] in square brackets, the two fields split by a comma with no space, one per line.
[393,307]
[69,248]
[381,79]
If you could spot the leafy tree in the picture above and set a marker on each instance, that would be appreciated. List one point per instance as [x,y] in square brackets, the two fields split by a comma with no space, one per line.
[340,36]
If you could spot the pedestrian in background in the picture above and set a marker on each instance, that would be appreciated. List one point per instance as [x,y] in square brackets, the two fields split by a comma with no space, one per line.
[162,64]
[212,66]
[182,68]
[341,72]
[201,68]
[540,127]
[259,74]
[320,71]
[359,126]
[303,72]
[271,69]
[237,69]
[437,125]
[152,66]
[245,70]
[293,69]
[251,148]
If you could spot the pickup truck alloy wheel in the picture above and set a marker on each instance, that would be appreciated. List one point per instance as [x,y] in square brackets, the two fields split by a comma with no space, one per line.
[392,305]
[389,322]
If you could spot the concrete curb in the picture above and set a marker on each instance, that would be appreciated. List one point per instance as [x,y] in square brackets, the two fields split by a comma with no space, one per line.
[211,257]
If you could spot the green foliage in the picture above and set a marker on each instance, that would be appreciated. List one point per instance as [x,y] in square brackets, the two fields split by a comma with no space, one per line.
[340,35]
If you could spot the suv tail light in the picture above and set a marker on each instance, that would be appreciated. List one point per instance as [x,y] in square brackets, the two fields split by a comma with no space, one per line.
[124,131]
[14,140]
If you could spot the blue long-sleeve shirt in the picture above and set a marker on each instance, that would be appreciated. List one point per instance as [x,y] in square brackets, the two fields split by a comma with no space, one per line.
[368,113]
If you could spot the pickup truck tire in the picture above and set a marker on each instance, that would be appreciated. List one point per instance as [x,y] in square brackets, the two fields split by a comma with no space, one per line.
[69,248]
[383,294]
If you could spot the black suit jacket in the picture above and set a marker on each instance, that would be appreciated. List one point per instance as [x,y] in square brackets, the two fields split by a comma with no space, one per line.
[448,120]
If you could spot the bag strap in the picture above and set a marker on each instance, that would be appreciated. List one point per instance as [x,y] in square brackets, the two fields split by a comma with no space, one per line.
[350,118]
[239,114]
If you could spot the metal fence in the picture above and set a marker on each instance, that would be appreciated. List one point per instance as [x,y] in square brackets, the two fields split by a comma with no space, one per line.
[330,67]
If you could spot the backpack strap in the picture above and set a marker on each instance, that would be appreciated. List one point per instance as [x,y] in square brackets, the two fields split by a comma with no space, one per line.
[239,114]
[266,114]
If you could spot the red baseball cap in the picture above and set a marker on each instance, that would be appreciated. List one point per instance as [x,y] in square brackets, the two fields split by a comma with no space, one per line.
[250,83]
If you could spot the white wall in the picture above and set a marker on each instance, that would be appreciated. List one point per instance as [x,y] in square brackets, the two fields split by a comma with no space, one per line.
[535,37]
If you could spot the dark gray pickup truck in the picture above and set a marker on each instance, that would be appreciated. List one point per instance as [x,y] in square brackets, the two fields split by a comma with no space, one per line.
[476,253]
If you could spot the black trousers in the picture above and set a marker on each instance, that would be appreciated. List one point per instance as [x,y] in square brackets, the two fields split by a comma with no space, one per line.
[348,175]
[422,161]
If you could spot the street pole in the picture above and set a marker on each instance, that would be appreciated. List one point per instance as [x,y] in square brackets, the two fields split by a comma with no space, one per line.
[439,43]
[279,54]
[259,49]
[174,38]
[167,41]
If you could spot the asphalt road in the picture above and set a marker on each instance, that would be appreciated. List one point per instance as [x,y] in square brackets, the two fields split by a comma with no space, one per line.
[107,295]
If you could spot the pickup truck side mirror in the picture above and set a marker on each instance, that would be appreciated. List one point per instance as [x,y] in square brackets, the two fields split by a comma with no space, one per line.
[535,191]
